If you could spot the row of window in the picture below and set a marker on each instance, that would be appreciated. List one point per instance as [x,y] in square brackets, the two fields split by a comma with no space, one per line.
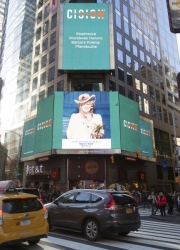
[50,91]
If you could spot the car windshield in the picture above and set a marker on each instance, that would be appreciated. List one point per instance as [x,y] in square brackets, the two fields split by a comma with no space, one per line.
[21,205]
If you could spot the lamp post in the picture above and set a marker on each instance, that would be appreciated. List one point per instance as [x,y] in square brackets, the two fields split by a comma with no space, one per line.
[18,156]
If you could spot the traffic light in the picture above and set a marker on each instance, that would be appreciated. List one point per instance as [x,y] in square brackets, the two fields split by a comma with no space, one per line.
[112,159]
[138,154]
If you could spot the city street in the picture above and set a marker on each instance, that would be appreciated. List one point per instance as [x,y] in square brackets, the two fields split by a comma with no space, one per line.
[153,234]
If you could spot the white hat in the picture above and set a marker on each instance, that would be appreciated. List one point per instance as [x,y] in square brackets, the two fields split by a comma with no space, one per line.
[85,98]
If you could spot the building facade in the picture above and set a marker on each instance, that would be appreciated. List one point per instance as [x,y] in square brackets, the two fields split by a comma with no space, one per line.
[145,67]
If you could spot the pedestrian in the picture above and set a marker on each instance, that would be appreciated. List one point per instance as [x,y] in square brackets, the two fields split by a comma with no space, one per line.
[170,202]
[146,202]
[153,202]
[162,204]
[157,206]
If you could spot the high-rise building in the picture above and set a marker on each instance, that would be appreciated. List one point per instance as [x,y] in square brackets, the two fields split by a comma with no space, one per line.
[16,58]
[146,63]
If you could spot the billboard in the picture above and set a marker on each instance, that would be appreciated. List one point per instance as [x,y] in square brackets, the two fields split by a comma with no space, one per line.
[86,120]
[174,15]
[146,138]
[129,125]
[28,138]
[86,37]
[44,125]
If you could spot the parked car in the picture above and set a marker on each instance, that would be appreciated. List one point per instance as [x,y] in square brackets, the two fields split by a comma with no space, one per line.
[95,212]
[30,190]
[22,216]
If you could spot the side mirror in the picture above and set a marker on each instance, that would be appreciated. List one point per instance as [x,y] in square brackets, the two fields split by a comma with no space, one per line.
[55,202]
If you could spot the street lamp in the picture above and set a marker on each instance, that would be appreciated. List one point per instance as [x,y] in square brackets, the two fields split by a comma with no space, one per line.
[18,156]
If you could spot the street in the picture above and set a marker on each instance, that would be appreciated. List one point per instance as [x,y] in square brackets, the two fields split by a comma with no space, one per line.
[153,234]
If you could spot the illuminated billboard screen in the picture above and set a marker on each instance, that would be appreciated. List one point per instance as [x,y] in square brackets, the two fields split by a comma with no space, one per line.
[174,15]
[86,37]
[146,139]
[130,129]
[86,120]
[28,138]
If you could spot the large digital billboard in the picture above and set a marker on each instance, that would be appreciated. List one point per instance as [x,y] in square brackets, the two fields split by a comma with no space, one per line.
[86,120]
[129,125]
[86,37]
[28,138]
[147,146]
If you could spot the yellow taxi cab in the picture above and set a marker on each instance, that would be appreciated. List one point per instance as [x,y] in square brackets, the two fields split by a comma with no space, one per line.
[22,216]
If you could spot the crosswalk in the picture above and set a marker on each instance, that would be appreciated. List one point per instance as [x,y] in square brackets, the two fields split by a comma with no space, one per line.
[153,235]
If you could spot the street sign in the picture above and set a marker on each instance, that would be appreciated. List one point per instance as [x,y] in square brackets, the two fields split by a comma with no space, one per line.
[164,164]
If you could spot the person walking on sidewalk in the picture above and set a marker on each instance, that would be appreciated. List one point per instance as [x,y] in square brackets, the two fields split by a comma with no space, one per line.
[162,204]
[153,202]
[170,202]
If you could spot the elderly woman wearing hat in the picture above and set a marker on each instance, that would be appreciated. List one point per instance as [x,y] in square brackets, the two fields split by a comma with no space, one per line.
[85,124]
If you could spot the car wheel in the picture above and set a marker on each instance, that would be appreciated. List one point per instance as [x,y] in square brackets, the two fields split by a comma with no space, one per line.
[33,242]
[91,230]
[124,233]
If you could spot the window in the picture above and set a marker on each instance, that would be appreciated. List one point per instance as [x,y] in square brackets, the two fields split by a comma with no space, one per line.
[126,27]
[51,74]
[53,39]
[43,61]
[130,95]
[133,33]
[136,66]
[34,84]
[119,38]
[132,17]
[125,10]
[151,91]
[52,56]
[131,2]
[33,102]
[137,83]
[135,51]
[38,34]
[121,90]
[140,39]
[153,109]
[127,44]
[165,116]
[146,106]
[95,198]
[139,24]
[143,71]
[159,113]
[145,29]
[146,44]
[154,65]
[163,98]
[67,198]
[54,21]
[41,95]
[36,66]
[60,85]
[129,79]
[83,197]
[150,78]
[118,21]
[139,101]
[128,61]
[43,78]
[46,28]
[117,5]
[37,50]
[121,74]
[148,59]
[50,90]
[39,17]
[156,80]
[112,86]
[161,82]
[144,85]
[157,95]
[46,10]
[142,56]
[120,55]
[40,4]
[45,44]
